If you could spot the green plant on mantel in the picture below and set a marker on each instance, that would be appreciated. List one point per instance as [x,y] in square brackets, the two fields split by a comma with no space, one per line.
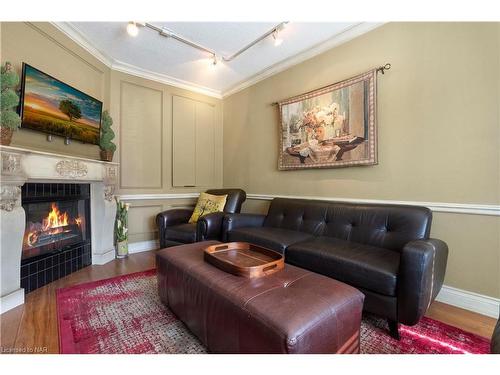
[107,134]
[9,99]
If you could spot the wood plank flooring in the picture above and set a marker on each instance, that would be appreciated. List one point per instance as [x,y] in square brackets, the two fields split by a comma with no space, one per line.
[32,327]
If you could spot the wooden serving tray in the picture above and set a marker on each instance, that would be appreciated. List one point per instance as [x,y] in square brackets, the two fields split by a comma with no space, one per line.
[244,259]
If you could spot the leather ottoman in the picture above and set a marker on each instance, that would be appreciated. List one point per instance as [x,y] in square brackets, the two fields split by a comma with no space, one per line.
[290,311]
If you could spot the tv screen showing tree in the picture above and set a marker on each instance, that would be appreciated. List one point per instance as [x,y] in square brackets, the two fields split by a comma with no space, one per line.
[51,106]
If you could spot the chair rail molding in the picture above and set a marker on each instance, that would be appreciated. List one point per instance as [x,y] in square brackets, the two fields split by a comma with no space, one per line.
[456,208]
[166,196]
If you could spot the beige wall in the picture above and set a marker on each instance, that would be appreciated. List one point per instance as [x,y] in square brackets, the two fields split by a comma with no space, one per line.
[42,46]
[438,129]
[141,110]
[438,118]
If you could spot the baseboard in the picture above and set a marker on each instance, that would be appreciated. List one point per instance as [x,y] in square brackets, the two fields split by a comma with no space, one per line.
[11,300]
[471,301]
[100,259]
[138,247]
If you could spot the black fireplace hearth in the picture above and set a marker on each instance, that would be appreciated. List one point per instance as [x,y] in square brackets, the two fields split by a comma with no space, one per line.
[57,236]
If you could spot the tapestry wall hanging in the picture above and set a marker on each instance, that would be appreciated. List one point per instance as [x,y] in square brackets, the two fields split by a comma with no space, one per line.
[334,126]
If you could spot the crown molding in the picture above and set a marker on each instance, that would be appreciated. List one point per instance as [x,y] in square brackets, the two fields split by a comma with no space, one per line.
[345,36]
[120,66]
[76,36]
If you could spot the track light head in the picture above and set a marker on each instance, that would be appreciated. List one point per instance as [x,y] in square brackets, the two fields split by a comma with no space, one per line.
[165,32]
[132,29]
[276,37]
[214,60]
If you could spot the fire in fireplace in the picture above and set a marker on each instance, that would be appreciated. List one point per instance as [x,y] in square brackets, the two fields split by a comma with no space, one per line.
[56,226]
[57,236]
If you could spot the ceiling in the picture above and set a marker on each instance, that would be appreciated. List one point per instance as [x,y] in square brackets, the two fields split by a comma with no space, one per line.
[168,60]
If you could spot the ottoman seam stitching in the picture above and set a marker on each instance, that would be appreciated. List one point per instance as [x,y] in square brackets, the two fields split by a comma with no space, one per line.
[276,287]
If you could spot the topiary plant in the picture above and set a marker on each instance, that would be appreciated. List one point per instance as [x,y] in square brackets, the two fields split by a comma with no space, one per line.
[9,99]
[107,134]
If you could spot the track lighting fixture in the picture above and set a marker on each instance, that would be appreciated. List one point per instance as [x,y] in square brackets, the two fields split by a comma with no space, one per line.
[276,37]
[132,29]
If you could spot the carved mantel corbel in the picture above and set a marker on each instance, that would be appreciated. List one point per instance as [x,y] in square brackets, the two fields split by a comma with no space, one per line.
[110,180]
[13,177]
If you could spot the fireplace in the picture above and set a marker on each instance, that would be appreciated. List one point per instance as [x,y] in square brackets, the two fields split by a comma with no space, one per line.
[56,240]
[80,188]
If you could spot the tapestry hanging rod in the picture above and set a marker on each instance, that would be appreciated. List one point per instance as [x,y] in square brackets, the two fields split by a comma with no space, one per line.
[380,69]
[132,29]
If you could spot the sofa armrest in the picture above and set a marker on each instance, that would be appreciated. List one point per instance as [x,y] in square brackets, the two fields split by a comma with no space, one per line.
[209,227]
[169,218]
[233,221]
[421,275]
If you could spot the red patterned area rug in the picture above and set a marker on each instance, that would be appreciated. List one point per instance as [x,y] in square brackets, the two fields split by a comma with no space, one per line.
[125,315]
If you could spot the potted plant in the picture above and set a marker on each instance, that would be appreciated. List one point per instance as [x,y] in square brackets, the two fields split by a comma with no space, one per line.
[107,134]
[121,228]
[9,100]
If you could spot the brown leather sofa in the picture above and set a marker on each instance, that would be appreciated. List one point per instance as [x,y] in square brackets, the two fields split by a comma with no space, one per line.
[383,250]
[174,229]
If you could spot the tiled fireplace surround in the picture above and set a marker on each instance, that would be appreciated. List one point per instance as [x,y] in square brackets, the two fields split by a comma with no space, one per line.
[19,166]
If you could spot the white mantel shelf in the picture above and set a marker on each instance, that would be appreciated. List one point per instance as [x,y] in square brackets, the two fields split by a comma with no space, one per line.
[38,152]
[20,165]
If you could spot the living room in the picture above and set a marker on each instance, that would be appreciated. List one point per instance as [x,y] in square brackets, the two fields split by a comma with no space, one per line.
[351,167]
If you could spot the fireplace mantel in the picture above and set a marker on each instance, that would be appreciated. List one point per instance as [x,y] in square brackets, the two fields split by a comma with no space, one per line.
[21,165]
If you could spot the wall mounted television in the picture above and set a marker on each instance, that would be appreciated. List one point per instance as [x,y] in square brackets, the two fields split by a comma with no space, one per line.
[51,106]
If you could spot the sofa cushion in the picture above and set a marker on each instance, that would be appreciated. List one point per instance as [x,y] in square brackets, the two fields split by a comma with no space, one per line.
[363,266]
[276,239]
[386,226]
[300,215]
[380,225]
[185,233]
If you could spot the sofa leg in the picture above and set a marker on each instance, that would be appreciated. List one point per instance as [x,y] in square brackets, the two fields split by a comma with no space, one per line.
[394,329]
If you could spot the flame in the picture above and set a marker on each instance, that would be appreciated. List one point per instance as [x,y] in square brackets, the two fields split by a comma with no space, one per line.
[55,219]
[54,223]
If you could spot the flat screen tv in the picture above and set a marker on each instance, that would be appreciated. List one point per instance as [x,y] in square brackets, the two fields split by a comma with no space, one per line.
[51,106]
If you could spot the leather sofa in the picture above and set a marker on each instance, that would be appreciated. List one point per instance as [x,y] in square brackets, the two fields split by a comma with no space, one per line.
[383,250]
[174,229]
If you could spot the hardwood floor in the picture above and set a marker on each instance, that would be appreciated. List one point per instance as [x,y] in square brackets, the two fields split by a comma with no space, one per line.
[33,326]
[467,320]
